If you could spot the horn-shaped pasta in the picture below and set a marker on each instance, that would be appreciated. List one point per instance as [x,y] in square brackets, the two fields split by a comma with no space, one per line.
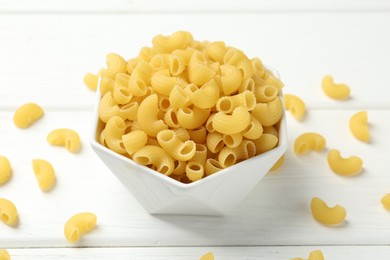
[163,103]
[142,71]
[170,118]
[65,137]
[155,156]
[121,94]
[209,124]
[359,126]
[326,215]
[166,44]
[232,141]
[145,54]
[212,166]
[115,64]
[198,71]
[231,78]
[198,135]
[163,83]
[233,56]
[179,150]
[208,256]
[4,255]
[335,91]
[159,62]
[106,85]
[216,51]
[270,130]
[245,99]
[107,107]
[245,67]
[200,155]
[137,87]
[309,142]
[134,141]
[194,171]
[269,113]
[129,111]
[192,118]
[79,225]
[182,133]
[180,168]
[344,166]
[131,64]
[176,65]
[91,81]
[247,84]
[235,123]
[314,255]
[295,105]
[178,98]
[147,116]
[114,130]
[229,156]
[214,142]
[386,201]
[44,174]
[184,54]
[265,143]
[207,96]
[254,129]
[266,93]
[8,213]
[258,66]
[270,79]
[5,170]
[27,114]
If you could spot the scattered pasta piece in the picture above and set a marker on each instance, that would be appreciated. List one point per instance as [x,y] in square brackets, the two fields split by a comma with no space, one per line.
[278,163]
[359,126]
[208,256]
[44,174]
[309,142]
[4,255]
[314,255]
[91,81]
[65,137]
[78,225]
[335,91]
[5,170]
[8,212]
[326,215]
[295,105]
[386,201]
[344,166]
[27,114]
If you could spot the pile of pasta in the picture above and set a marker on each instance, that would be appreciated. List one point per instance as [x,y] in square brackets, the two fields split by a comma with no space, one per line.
[188,109]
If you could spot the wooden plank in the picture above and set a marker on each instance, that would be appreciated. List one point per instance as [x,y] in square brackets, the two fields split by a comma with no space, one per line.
[275,213]
[172,6]
[191,253]
[47,55]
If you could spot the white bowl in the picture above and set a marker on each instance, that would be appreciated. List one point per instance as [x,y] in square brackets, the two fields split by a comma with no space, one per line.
[215,195]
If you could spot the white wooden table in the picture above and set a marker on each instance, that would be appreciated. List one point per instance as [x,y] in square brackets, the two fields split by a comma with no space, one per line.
[47,46]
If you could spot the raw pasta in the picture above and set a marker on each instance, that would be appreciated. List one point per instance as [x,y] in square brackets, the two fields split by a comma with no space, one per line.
[4,255]
[182,104]
[309,142]
[27,114]
[295,105]
[5,170]
[65,137]
[79,225]
[326,215]
[208,256]
[335,91]
[44,174]
[359,126]
[8,213]
[344,166]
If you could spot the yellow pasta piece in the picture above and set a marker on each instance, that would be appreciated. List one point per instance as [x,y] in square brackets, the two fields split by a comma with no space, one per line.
[335,91]
[198,71]
[129,111]
[44,173]
[65,137]
[182,133]
[295,105]
[145,54]
[78,225]
[265,143]
[184,54]
[4,255]
[269,79]
[166,44]
[207,96]
[198,135]
[229,156]
[194,171]
[156,157]
[176,65]
[192,118]
[160,62]
[113,133]
[8,213]
[233,56]
[208,256]
[134,141]
[178,98]
[131,65]
[163,103]
[121,94]
[314,255]
[247,84]
[200,155]
[254,129]
[91,81]
[212,166]
[27,114]
[269,113]
[115,64]
[209,123]
[216,51]
[232,141]
[147,116]
[107,107]
[163,83]
[143,72]
[258,66]
[359,126]
[309,142]
[270,130]
[326,215]
[235,123]
[344,166]
[266,93]
[386,201]
[137,87]
[245,99]
[179,150]
[170,118]
[231,79]
[106,85]
[278,163]
[214,142]
[180,168]
[5,170]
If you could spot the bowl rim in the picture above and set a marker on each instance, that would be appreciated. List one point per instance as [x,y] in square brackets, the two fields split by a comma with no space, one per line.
[282,144]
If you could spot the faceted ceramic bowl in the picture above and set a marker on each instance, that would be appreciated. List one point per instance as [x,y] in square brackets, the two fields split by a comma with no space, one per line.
[216,194]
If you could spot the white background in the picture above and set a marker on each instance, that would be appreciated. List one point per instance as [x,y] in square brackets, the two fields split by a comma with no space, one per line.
[46,47]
